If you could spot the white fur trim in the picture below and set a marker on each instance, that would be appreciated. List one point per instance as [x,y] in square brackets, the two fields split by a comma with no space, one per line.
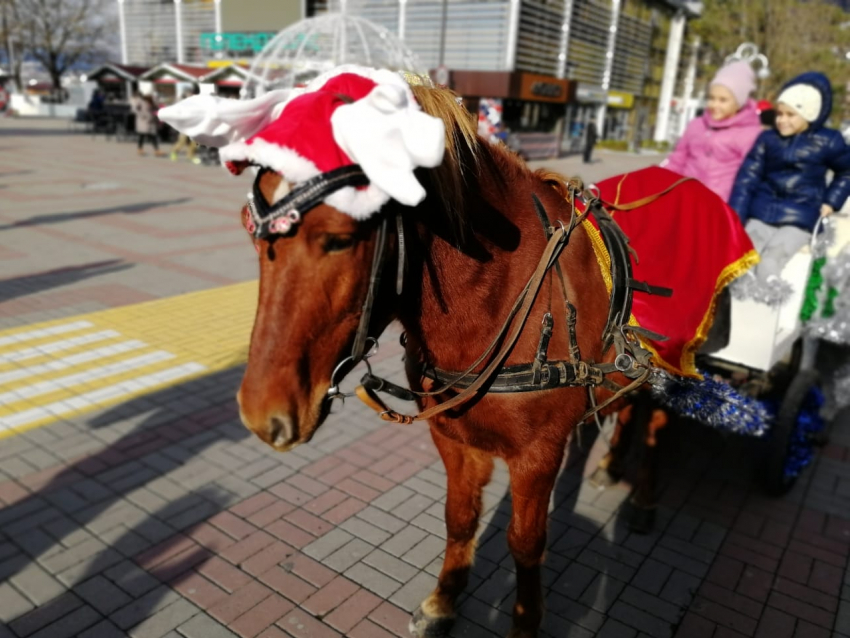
[390,137]
[360,204]
[285,161]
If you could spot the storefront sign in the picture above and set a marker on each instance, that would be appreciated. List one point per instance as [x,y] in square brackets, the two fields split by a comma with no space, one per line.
[590,93]
[620,100]
[236,42]
[543,88]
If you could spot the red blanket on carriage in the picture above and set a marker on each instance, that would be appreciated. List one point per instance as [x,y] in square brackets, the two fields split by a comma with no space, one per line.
[686,239]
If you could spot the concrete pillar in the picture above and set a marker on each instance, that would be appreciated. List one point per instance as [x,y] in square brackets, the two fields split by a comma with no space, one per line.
[609,64]
[668,83]
[218,27]
[563,49]
[122,25]
[690,78]
[402,19]
[178,23]
[513,35]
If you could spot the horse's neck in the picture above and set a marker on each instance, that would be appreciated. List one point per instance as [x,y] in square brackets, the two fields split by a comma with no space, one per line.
[466,293]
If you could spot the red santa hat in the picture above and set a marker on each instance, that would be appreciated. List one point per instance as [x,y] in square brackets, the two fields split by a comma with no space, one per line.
[351,115]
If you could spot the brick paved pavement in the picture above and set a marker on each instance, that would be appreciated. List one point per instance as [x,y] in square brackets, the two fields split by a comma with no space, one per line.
[161,516]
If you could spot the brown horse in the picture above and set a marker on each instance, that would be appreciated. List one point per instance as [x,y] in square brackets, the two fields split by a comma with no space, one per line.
[471,246]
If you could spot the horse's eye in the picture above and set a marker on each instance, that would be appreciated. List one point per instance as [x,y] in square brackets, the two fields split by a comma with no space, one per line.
[337,243]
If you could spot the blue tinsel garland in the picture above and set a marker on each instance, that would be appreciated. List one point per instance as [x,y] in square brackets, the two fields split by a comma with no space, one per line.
[718,405]
[809,423]
[713,403]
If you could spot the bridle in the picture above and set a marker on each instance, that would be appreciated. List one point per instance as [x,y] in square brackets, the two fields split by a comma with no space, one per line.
[282,218]
[632,359]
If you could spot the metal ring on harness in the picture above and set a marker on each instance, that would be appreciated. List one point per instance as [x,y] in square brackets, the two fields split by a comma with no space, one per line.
[624,362]
[334,391]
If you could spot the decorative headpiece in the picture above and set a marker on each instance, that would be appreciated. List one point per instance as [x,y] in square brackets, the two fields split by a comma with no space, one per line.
[347,119]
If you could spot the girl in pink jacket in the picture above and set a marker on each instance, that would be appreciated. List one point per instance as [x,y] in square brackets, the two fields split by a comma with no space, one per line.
[714,146]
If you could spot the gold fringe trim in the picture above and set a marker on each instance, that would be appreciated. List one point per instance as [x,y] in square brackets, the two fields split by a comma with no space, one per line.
[730,273]
[602,256]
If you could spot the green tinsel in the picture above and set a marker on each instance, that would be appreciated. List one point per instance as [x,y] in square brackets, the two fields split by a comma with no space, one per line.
[810,303]
[829,304]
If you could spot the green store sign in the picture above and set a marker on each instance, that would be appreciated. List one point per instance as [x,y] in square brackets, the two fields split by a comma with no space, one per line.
[253,41]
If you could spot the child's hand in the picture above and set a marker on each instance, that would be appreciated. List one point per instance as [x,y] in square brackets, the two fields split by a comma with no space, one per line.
[826,210]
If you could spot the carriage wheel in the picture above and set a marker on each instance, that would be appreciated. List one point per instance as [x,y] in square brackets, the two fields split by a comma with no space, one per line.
[774,477]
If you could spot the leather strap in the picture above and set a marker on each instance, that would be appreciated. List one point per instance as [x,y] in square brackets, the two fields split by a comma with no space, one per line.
[359,347]
[372,400]
[648,199]
[301,199]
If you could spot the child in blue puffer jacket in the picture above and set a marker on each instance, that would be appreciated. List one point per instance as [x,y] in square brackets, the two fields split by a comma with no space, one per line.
[780,190]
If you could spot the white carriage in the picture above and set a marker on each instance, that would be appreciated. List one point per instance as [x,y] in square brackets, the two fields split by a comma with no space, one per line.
[771,355]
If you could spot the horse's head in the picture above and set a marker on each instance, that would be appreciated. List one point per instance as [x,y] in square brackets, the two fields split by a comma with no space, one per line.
[313,283]
[335,155]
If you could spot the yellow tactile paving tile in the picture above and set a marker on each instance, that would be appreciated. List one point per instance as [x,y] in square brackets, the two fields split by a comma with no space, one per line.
[78,364]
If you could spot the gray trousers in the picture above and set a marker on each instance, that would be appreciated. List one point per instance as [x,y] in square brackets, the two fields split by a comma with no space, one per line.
[776,245]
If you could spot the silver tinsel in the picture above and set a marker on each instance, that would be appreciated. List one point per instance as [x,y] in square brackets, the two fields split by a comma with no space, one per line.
[711,402]
[824,240]
[773,293]
[836,329]
[838,396]
[836,275]
[836,272]
[777,291]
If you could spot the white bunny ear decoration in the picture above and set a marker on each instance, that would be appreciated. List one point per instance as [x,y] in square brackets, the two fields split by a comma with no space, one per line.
[215,121]
[387,134]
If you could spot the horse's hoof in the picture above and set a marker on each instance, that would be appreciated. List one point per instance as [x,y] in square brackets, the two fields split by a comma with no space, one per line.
[423,626]
[601,479]
[642,519]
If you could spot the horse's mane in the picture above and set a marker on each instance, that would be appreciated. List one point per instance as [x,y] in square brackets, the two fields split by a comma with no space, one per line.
[467,155]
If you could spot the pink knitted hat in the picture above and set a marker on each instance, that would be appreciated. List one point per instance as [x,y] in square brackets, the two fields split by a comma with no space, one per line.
[739,78]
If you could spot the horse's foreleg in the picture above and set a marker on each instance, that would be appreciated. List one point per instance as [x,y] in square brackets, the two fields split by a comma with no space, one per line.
[532,480]
[468,471]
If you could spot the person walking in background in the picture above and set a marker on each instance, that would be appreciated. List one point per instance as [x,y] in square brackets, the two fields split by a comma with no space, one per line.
[183,141]
[781,190]
[714,145]
[145,110]
[97,102]
[590,136]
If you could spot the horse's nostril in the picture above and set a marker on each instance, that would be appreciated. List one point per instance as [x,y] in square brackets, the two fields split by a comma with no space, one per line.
[280,431]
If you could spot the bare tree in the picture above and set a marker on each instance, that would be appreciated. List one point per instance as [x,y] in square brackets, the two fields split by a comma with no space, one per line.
[63,33]
[10,38]
[795,35]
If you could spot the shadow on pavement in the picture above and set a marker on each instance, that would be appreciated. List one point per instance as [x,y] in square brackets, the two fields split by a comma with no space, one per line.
[59,218]
[36,132]
[15,287]
[592,558]
[122,512]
